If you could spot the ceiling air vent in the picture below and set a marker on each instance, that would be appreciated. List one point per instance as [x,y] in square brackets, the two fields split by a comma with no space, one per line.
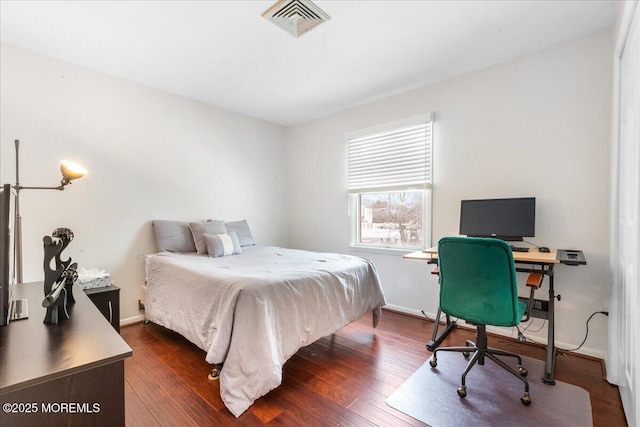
[295,16]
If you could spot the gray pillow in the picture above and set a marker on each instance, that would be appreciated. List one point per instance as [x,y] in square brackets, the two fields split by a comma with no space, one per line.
[198,229]
[222,244]
[241,228]
[173,236]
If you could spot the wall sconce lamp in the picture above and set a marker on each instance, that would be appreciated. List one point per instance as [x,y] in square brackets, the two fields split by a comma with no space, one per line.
[70,171]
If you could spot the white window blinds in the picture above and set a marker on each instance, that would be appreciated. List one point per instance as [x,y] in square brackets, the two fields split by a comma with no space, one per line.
[391,160]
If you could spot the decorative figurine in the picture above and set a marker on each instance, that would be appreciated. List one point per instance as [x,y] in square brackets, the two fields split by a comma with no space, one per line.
[58,282]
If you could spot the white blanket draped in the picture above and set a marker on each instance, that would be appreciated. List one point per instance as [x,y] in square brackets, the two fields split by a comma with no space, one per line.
[254,310]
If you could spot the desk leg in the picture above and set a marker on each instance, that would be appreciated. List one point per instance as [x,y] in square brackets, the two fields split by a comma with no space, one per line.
[437,338]
[550,363]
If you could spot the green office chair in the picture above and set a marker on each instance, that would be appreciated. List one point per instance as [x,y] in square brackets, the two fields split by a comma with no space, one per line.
[478,284]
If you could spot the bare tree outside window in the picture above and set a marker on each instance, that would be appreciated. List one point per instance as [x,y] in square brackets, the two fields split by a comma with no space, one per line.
[392,218]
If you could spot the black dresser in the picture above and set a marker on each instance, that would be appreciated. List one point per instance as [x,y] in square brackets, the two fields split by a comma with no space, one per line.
[70,373]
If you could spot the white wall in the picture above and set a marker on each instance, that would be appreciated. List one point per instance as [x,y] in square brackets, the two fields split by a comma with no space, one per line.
[538,126]
[150,155]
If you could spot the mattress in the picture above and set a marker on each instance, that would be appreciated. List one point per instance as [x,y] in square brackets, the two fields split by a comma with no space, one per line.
[254,310]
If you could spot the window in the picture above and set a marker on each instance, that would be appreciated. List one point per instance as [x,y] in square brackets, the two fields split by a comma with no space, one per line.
[390,184]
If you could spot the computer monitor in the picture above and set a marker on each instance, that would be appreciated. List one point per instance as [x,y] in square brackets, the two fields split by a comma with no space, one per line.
[506,219]
[7,246]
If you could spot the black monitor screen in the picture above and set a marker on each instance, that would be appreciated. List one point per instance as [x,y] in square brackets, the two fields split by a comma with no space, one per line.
[508,219]
[7,236]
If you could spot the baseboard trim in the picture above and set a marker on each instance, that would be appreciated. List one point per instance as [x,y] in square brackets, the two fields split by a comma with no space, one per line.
[502,332]
[405,310]
[131,320]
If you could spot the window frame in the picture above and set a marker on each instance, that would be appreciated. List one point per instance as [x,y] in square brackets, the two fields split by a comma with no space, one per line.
[426,188]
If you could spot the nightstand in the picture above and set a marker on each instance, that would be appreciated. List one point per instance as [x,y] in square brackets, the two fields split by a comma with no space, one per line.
[107,299]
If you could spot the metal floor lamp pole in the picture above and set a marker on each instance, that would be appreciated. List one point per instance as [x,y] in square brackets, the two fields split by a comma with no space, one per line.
[70,171]
[18,234]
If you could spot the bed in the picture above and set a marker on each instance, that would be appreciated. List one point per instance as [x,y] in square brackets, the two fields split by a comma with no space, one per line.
[252,311]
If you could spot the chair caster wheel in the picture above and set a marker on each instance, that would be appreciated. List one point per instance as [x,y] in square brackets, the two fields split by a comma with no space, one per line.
[433,362]
[526,399]
[466,354]
[523,371]
[462,392]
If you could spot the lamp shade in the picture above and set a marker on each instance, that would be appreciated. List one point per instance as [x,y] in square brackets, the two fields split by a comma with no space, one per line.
[71,171]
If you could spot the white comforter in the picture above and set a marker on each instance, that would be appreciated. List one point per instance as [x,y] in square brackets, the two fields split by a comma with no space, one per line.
[254,310]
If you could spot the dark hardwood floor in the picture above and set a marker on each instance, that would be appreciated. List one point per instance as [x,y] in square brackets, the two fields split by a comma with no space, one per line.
[343,379]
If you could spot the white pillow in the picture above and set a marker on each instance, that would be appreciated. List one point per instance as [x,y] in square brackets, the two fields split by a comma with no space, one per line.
[222,244]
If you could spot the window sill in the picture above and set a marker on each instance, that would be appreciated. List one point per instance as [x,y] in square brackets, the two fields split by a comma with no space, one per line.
[382,251]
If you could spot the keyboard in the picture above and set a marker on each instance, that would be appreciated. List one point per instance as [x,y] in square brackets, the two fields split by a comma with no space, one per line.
[519,249]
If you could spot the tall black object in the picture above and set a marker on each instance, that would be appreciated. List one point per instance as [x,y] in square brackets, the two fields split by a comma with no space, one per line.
[58,282]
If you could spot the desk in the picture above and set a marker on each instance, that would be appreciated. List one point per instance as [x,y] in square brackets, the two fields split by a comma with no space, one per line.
[532,261]
[78,362]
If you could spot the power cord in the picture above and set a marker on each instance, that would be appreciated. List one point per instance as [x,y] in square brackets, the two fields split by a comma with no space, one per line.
[452,320]
[523,338]
[528,326]
[606,313]
[427,317]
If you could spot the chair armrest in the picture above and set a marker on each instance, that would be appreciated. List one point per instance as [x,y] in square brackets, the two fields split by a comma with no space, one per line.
[535,280]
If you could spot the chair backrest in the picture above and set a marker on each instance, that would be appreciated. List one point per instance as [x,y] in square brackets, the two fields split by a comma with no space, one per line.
[478,280]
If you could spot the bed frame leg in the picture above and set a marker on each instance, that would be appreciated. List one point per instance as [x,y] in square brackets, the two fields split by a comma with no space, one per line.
[142,308]
[215,372]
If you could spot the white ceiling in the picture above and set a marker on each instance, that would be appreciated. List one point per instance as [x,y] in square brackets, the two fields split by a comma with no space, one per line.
[224,53]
